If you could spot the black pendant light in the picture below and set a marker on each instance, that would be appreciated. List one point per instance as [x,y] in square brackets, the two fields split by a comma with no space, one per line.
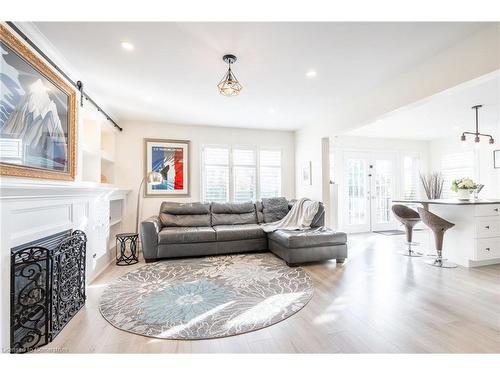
[476,134]
[229,85]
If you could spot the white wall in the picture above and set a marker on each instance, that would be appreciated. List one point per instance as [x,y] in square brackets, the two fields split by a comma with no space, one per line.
[129,169]
[308,148]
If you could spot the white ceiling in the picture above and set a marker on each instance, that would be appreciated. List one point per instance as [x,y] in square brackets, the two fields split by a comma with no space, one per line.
[171,75]
[446,114]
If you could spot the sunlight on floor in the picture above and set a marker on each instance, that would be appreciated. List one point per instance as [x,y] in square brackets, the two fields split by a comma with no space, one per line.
[199,318]
[264,310]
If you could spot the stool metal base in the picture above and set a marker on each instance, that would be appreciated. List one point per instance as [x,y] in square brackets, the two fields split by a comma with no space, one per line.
[440,262]
[410,253]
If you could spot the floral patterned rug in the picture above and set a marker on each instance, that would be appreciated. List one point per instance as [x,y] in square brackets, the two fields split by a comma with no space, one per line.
[202,298]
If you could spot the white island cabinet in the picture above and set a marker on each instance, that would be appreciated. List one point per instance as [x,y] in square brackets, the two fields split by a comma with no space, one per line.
[475,239]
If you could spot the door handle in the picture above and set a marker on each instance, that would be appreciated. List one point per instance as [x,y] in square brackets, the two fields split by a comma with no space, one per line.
[487,227]
[495,209]
[487,249]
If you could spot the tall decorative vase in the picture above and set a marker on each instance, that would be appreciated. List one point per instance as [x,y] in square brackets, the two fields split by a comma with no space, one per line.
[463,194]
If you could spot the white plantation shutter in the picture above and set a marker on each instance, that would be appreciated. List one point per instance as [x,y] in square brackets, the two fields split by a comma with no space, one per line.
[454,166]
[411,176]
[270,173]
[235,174]
[215,174]
[244,175]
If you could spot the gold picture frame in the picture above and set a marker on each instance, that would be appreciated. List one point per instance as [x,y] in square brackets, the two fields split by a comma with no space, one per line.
[26,55]
[165,146]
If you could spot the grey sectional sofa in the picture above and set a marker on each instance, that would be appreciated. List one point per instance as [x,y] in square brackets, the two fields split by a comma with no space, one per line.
[199,229]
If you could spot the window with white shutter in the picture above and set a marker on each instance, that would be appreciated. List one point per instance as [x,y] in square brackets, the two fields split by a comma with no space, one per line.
[456,165]
[244,175]
[215,174]
[411,176]
[270,173]
[240,174]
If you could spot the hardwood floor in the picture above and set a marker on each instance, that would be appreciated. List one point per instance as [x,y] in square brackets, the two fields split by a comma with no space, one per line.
[376,302]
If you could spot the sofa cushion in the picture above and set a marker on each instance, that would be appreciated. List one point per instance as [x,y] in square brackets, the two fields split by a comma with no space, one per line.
[233,213]
[274,209]
[173,214]
[238,232]
[170,235]
[321,236]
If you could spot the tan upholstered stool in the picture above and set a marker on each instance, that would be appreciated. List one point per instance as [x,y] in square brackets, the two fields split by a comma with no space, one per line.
[439,226]
[409,218]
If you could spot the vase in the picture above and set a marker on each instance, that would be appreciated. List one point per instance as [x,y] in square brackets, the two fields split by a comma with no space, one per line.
[463,194]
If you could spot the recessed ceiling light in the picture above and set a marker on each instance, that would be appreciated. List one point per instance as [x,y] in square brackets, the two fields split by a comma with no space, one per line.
[272,110]
[311,74]
[127,46]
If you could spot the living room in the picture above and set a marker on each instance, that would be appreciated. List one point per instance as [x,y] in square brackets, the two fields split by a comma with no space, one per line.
[281,185]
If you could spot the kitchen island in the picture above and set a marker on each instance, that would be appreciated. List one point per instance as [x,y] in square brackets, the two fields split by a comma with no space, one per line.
[475,239]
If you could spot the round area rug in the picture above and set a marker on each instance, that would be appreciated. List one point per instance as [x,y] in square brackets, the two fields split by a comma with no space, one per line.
[202,298]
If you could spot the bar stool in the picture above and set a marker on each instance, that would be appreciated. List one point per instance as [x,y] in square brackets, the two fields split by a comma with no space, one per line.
[409,218]
[439,226]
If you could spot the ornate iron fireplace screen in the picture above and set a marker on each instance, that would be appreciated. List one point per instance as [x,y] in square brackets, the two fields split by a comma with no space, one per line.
[47,288]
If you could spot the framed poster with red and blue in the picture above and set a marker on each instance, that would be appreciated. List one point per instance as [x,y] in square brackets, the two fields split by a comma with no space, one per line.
[170,158]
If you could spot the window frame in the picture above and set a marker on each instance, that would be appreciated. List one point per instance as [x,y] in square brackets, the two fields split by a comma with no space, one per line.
[231,165]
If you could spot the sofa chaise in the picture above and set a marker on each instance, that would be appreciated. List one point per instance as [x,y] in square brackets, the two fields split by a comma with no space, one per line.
[199,229]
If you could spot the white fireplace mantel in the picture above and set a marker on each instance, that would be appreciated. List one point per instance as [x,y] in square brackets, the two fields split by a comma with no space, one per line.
[14,188]
[32,209]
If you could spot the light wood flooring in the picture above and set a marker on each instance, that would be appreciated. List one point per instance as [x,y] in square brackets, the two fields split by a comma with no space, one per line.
[376,302]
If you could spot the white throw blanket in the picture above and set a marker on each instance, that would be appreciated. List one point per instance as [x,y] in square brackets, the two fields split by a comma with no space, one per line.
[299,217]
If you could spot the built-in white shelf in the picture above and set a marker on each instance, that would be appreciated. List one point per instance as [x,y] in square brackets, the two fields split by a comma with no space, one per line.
[98,147]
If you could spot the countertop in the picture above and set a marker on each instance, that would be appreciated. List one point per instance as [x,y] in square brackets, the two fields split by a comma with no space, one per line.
[456,202]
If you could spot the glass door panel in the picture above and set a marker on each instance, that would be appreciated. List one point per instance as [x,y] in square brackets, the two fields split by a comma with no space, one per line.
[382,192]
[369,186]
[356,193]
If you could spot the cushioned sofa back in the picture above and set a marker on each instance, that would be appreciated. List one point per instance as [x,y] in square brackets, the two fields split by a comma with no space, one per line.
[233,213]
[173,214]
[274,209]
[260,214]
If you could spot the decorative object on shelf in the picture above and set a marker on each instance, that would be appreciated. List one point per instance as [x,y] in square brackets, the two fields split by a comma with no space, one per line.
[306,173]
[476,134]
[104,179]
[496,159]
[204,298]
[170,158]
[229,85]
[38,115]
[47,288]
[127,255]
[433,184]
[153,179]
[463,187]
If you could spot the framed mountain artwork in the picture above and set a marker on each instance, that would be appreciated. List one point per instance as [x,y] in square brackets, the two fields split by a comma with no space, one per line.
[171,159]
[37,115]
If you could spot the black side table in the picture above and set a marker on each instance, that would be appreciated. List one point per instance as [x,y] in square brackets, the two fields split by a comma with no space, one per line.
[126,258]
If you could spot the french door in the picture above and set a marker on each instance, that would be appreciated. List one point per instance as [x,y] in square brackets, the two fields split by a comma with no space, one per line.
[368,188]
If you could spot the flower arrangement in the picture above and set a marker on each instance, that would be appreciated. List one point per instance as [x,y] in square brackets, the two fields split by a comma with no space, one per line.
[463,184]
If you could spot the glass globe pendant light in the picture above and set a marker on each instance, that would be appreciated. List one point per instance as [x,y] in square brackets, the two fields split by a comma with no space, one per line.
[229,85]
